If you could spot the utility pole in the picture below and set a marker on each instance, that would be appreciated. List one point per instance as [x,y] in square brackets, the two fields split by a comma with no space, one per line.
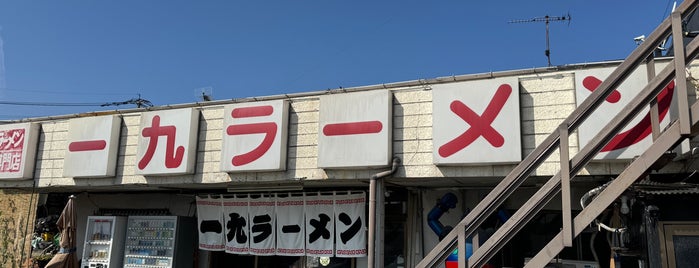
[546,19]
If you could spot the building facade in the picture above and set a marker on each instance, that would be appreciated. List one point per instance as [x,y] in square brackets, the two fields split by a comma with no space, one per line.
[455,136]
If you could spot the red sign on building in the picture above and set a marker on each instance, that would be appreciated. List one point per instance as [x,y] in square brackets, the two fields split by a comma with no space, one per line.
[18,150]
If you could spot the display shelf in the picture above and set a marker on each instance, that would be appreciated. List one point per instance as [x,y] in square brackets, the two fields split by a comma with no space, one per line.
[104,242]
[100,242]
[158,241]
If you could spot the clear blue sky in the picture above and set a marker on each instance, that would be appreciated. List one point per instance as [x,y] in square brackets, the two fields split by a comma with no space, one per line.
[108,51]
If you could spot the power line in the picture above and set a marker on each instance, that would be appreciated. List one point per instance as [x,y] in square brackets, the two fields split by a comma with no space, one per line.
[136,101]
[61,92]
[67,104]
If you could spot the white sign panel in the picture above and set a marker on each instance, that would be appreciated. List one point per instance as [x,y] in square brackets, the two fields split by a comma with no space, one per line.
[320,226]
[254,136]
[235,213]
[636,136]
[93,143]
[167,142]
[355,129]
[210,223]
[290,226]
[18,150]
[473,117]
[350,230]
[262,226]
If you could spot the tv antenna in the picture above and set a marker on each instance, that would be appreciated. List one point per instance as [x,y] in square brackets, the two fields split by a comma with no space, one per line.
[204,93]
[546,19]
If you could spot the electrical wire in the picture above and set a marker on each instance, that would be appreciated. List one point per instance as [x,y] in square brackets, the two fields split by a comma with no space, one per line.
[21,103]
[95,92]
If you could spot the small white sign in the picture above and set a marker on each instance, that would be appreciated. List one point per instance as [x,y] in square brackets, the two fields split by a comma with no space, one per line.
[92,147]
[470,118]
[18,150]
[255,136]
[167,142]
[355,130]
[636,136]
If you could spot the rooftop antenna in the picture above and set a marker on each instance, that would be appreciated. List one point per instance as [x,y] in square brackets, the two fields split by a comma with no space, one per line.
[546,19]
[204,93]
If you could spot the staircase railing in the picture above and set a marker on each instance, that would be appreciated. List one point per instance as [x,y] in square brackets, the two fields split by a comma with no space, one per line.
[569,168]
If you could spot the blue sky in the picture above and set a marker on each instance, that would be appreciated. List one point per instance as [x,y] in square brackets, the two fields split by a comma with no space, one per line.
[109,51]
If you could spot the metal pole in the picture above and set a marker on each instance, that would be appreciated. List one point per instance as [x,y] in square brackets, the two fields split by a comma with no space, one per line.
[548,50]
[372,241]
[372,221]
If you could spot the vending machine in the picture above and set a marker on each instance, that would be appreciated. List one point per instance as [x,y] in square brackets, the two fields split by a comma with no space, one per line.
[104,242]
[159,241]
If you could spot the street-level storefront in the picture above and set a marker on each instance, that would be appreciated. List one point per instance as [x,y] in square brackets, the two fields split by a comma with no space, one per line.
[339,178]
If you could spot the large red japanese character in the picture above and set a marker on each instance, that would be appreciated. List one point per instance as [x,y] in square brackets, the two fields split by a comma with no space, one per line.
[480,125]
[173,158]
[269,129]
[641,130]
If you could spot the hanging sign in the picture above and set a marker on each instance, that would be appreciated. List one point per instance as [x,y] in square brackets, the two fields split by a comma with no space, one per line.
[290,226]
[315,225]
[235,213]
[210,223]
[262,226]
[350,238]
[320,226]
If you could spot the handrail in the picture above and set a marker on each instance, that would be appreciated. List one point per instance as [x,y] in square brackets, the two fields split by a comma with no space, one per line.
[517,176]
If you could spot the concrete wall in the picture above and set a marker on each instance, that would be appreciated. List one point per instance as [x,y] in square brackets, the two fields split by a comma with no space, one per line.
[546,99]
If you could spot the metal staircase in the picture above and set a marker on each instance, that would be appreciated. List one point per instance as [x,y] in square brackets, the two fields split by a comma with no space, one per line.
[687,125]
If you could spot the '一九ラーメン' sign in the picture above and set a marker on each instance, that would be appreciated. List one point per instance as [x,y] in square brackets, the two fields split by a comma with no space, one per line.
[167,142]
[254,136]
[92,146]
[473,117]
[311,225]
[636,137]
[355,130]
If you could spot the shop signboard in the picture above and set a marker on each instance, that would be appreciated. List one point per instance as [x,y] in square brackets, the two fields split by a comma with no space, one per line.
[18,143]
[350,225]
[473,117]
[355,130]
[633,139]
[290,226]
[210,223]
[235,214]
[311,225]
[167,142]
[255,136]
[262,228]
[92,147]
[320,225]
